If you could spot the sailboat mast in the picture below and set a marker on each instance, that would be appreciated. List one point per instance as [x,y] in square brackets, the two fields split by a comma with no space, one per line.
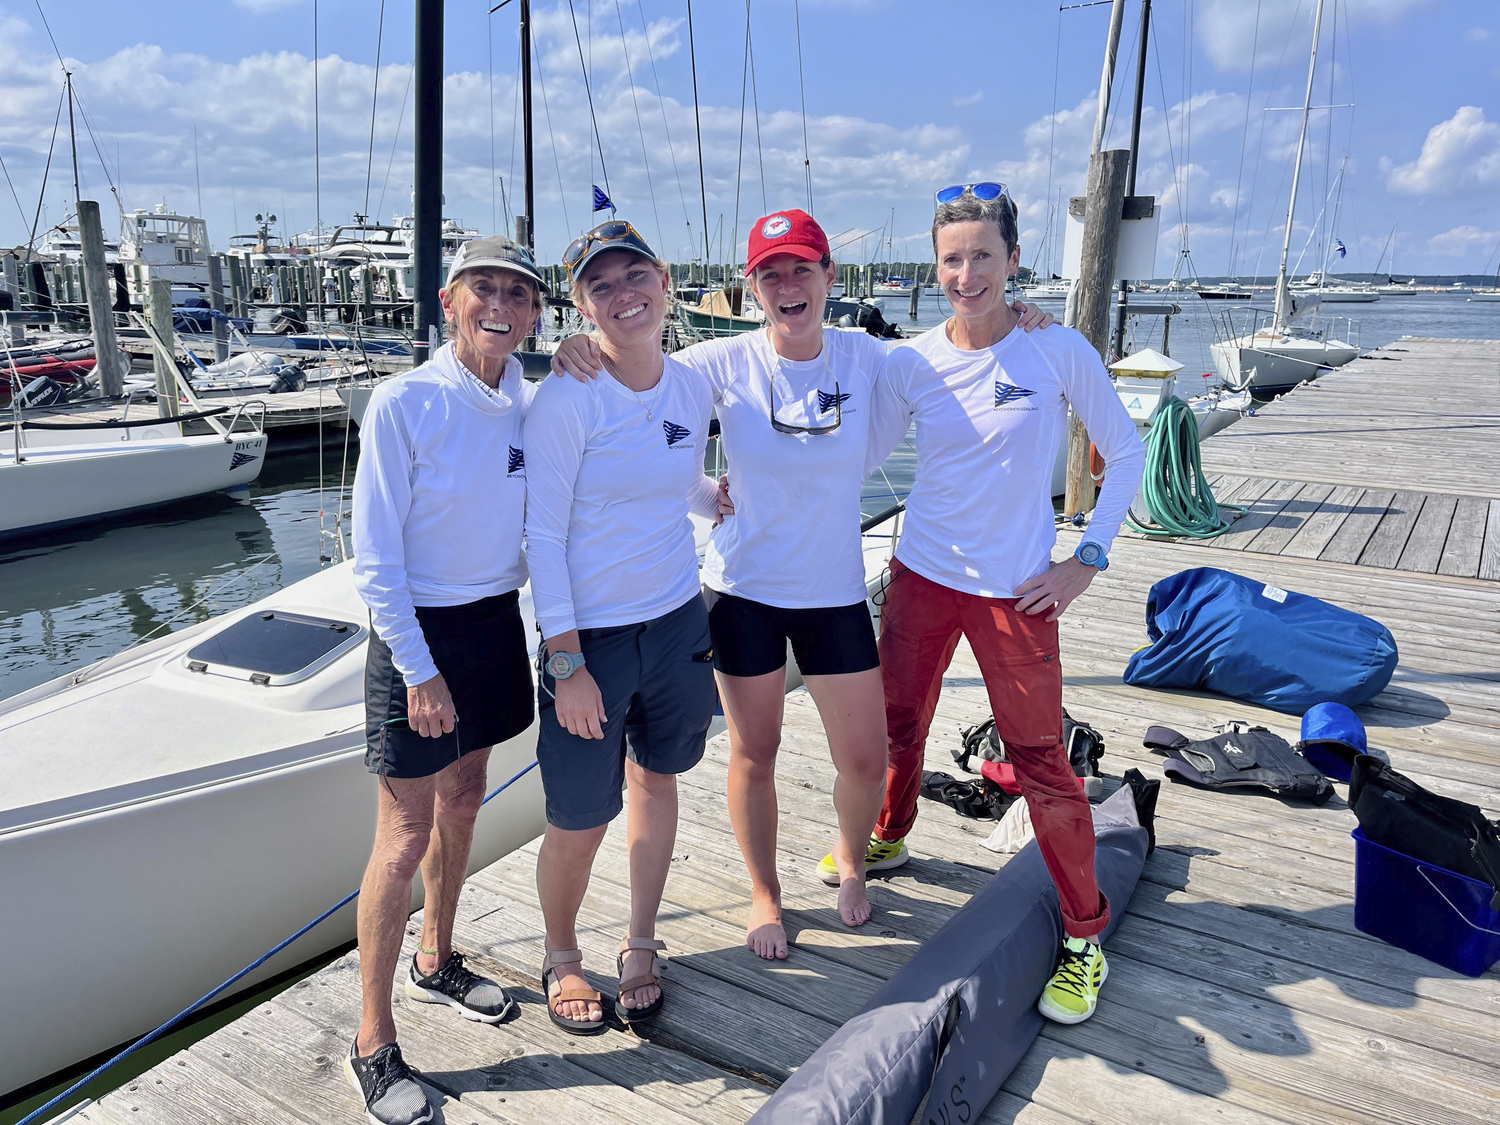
[73,136]
[528,237]
[1283,294]
[427,220]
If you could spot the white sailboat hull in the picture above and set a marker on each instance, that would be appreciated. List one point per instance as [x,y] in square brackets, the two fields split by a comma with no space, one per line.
[161,829]
[1269,362]
[61,484]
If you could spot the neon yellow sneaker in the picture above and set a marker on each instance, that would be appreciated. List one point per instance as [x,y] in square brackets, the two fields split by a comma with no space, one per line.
[1073,992]
[879,856]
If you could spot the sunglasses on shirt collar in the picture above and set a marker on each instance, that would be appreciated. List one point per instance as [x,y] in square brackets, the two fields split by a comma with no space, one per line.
[790,428]
[985,191]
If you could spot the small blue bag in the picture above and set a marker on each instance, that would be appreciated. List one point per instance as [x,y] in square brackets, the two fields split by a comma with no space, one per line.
[1217,631]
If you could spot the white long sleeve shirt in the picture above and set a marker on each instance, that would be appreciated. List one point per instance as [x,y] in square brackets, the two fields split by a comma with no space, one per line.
[794,539]
[611,476]
[989,424]
[439,498]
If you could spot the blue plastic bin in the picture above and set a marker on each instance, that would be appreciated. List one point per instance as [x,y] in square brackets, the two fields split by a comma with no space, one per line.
[1430,911]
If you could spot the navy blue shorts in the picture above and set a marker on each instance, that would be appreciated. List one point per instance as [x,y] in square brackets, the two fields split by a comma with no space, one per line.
[480,651]
[750,637]
[657,680]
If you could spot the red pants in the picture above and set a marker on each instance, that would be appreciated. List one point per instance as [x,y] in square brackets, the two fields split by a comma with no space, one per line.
[1018,658]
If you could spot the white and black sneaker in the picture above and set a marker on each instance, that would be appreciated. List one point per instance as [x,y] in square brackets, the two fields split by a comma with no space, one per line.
[391,1094]
[475,997]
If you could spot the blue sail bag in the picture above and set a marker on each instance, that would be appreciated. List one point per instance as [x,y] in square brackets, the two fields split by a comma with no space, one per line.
[1213,630]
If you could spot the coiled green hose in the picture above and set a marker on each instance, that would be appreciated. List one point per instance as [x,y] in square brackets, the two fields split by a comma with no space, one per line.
[1178,497]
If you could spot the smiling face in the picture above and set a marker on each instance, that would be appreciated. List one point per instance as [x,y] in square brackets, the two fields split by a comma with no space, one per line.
[973,262]
[793,293]
[489,311]
[625,294]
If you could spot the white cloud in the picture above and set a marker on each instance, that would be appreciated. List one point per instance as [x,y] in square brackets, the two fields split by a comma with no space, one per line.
[1477,34]
[1459,155]
[970,99]
[1228,28]
[1461,242]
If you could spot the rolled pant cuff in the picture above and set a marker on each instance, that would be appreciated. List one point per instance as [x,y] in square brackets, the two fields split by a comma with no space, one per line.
[1088,927]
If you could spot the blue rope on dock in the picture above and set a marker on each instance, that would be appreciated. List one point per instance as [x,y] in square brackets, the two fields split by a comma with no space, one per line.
[36,1115]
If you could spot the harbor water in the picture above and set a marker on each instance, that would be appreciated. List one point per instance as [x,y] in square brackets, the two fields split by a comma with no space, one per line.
[71,597]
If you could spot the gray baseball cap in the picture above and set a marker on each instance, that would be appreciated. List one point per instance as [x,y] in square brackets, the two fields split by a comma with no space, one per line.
[496,252]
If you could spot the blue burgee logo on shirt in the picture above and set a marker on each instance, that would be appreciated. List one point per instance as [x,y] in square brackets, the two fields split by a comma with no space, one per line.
[674,432]
[517,461]
[240,459]
[827,402]
[1009,392]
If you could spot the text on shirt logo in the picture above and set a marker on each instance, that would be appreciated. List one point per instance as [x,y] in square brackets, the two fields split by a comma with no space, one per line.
[674,432]
[827,402]
[517,461]
[1007,393]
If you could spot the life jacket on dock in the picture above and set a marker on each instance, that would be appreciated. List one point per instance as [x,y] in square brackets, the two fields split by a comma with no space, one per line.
[1242,757]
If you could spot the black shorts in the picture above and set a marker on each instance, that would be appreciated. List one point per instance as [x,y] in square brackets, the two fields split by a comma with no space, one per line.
[480,651]
[657,684]
[750,638]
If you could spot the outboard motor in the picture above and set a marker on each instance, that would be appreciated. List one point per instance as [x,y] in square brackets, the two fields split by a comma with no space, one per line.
[286,322]
[289,378]
[42,391]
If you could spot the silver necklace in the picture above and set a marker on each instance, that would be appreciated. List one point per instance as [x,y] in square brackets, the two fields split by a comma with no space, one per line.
[649,408]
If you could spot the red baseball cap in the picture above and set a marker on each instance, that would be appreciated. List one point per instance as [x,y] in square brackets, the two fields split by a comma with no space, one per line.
[786,232]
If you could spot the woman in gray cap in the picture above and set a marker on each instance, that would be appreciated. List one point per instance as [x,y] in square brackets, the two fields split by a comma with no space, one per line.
[439,500]
[627,693]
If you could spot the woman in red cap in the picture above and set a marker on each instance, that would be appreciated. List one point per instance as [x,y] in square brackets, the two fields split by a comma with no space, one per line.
[793,403]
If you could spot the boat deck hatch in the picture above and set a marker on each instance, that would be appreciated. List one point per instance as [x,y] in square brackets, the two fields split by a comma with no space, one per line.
[274,647]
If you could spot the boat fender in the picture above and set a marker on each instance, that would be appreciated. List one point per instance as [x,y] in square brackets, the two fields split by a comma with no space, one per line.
[935,1044]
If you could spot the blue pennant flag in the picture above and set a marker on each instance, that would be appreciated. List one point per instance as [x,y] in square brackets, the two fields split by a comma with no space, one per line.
[1338,243]
[601,201]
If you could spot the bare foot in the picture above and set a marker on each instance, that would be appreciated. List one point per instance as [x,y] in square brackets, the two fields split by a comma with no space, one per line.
[854,904]
[570,976]
[639,963]
[765,934]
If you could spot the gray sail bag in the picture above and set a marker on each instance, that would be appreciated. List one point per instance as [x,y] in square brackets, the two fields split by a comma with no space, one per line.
[935,1044]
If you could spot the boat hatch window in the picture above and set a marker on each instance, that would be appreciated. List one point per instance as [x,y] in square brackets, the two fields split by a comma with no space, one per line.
[273,647]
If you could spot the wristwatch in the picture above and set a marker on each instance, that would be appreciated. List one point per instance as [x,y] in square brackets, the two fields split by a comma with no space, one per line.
[1091,554]
[564,664]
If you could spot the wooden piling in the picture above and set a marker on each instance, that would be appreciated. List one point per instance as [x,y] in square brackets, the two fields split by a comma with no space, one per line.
[216,302]
[101,309]
[160,320]
[1104,212]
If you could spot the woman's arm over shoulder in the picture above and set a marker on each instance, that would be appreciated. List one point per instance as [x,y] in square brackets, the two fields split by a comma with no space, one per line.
[890,408]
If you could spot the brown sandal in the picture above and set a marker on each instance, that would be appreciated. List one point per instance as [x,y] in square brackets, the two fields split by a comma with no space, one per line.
[563,995]
[638,1015]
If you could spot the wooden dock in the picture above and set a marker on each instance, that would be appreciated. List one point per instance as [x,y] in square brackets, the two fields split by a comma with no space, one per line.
[1240,991]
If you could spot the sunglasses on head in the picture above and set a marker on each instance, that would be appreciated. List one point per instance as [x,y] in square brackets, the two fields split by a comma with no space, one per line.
[616,230]
[985,191]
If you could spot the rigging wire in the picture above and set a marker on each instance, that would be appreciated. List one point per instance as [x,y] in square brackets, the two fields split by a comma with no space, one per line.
[88,127]
[640,128]
[46,170]
[1240,175]
[755,105]
[515,123]
[662,105]
[13,194]
[50,36]
[588,89]
[489,43]
[395,140]
[802,84]
[1260,142]
[317,163]
[1051,151]
[698,125]
[739,158]
[547,112]
[374,99]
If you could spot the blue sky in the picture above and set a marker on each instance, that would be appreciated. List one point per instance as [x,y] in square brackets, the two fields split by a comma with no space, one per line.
[902,96]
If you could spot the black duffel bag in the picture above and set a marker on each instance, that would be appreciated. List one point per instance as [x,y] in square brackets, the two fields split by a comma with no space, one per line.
[1399,814]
